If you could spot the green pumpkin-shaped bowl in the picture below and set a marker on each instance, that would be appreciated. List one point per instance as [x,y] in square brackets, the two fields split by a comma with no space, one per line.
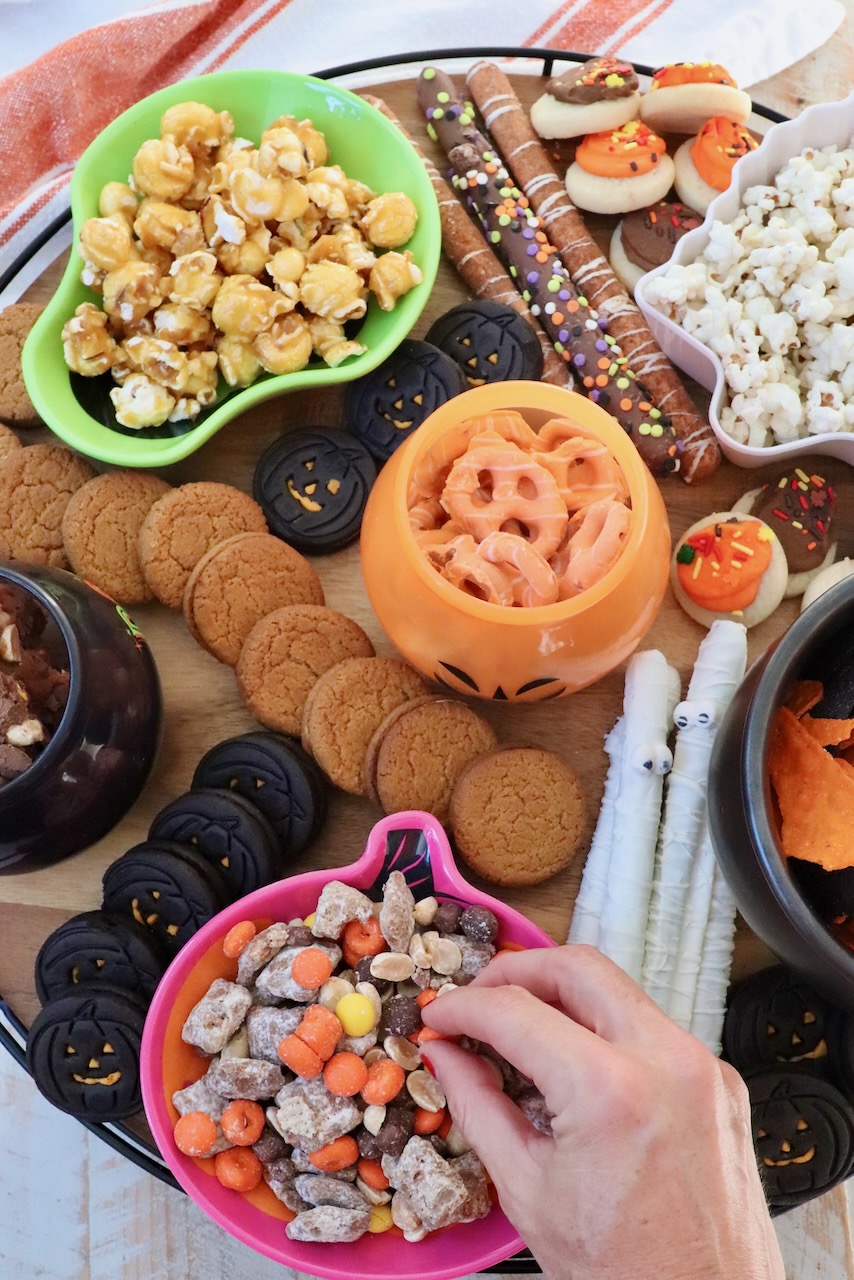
[361,140]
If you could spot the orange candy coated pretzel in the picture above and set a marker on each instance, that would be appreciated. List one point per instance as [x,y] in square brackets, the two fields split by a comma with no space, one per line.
[518,517]
[597,535]
[495,482]
[627,152]
[718,145]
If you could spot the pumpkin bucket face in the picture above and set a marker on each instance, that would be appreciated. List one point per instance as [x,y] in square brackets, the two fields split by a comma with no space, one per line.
[492,650]
[803,1131]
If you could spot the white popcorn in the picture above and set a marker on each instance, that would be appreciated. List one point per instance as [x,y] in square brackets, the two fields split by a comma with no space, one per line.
[772,296]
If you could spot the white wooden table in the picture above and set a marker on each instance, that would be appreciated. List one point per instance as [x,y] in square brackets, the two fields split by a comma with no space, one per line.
[72,1209]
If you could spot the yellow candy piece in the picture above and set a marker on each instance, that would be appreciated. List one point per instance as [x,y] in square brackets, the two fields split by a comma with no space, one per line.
[381,1219]
[309,920]
[356,1014]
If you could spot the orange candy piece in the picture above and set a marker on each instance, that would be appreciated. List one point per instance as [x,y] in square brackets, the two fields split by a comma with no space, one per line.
[242,1122]
[336,1155]
[320,1030]
[238,1168]
[238,938]
[299,1057]
[362,939]
[195,1134]
[627,152]
[385,1081]
[371,1172]
[427,1122]
[425,997]
[311,968]
[345,1074]
[718,145]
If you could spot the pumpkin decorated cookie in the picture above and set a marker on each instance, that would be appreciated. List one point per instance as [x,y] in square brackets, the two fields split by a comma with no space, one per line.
[685,94]
[704,164]
[729,565]
[619,170]
[601,94]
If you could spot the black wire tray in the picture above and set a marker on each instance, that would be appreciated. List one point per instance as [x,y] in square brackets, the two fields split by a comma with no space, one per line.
[13,1033]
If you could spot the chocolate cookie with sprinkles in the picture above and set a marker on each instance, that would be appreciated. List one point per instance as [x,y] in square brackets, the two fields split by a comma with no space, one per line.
[578,333]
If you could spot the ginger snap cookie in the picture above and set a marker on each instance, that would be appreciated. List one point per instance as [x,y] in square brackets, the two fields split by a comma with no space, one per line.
[100,531]
[36,485]
[237,583]
[517,815]
[16,408]
[419,751]
[9,442]
[183,526]
[285,655]
[346,706]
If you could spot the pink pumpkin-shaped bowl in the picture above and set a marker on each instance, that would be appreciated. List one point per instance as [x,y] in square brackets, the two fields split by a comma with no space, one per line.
[411,842]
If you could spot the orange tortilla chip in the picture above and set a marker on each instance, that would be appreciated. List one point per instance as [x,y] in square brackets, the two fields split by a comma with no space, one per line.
[803,696]
[846,765]
[815,796]
[829,733]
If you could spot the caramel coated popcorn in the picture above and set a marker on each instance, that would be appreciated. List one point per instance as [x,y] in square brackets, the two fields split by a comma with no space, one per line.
[227,260]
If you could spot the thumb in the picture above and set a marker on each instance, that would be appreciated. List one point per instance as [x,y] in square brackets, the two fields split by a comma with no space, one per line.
[500,1134]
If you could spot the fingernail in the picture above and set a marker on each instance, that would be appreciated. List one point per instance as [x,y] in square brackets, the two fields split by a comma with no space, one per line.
[428,1065]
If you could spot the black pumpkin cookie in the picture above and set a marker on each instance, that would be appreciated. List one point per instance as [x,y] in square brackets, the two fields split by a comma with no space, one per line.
[772,1018]
[489,341]
[803,1132]
[387,405]
[83,1052]
[275,775]
[171,890]
[95,948]
[232,834]
[312,486]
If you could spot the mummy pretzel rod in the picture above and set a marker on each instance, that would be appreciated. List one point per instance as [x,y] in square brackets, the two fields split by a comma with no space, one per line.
[472,257]
[579,334]
[530,165]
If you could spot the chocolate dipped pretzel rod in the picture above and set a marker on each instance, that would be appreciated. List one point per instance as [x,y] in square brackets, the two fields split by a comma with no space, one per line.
[473,259]
[579,334]
[528,161]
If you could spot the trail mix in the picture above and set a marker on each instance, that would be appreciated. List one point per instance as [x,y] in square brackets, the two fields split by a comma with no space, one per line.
[316,1082]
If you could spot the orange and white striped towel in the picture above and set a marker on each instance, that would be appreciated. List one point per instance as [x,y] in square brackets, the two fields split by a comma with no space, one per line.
[55,97]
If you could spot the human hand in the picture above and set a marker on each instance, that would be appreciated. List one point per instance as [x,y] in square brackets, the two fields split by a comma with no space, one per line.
[650,1173]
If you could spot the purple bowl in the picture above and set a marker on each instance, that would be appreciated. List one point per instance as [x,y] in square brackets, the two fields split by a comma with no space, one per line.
[411,842]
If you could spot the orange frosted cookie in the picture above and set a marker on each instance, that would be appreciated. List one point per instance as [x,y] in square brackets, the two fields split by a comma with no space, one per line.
[685,94]
[626,168]
[729,565]
[704,164]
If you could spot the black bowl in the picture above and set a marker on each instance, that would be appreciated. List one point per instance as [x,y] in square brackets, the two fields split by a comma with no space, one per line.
[742,817]
[98,760]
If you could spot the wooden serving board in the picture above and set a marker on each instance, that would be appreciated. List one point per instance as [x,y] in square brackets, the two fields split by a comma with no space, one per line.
[202,705]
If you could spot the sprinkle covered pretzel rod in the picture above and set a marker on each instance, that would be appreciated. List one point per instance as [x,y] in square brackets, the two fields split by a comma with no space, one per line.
[579,334]
[473,259]
[529,163]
